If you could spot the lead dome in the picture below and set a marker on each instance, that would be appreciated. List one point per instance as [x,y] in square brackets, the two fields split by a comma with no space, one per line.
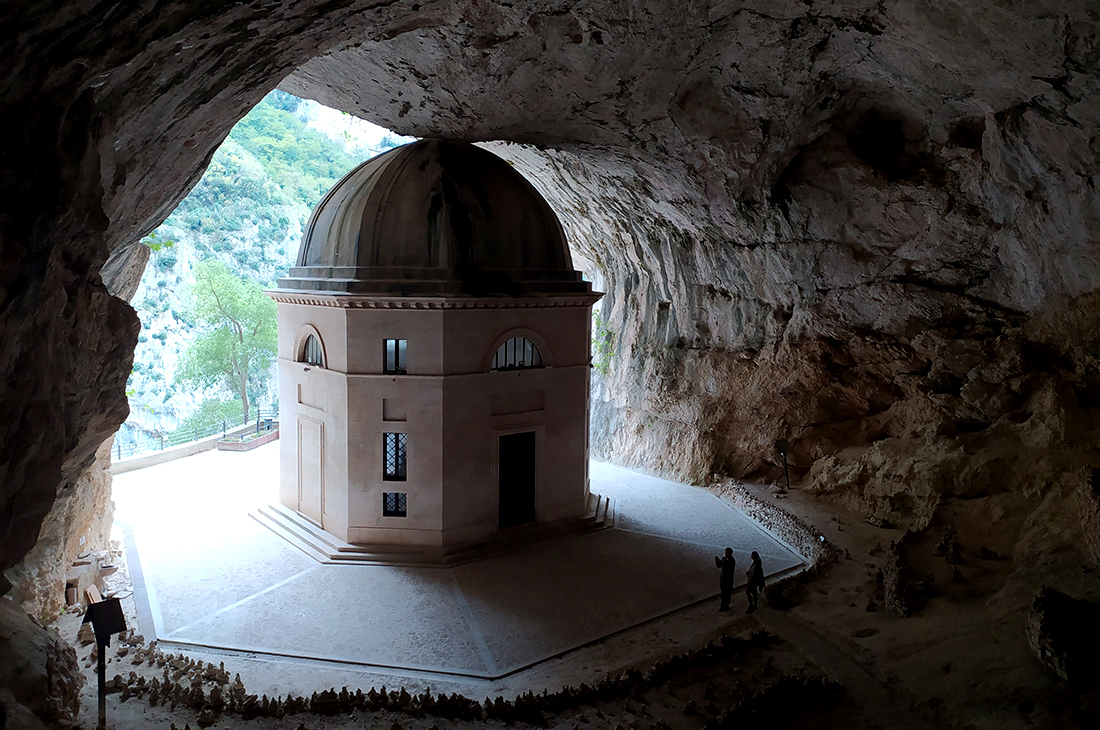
[435,217]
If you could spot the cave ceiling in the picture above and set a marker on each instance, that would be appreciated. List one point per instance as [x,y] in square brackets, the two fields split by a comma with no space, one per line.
[855,223]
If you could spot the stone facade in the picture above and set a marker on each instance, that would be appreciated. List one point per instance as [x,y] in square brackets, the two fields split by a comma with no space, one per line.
[449,405]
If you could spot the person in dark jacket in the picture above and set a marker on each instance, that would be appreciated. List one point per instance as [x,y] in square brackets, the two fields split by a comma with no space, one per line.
[756,581]
[726,565]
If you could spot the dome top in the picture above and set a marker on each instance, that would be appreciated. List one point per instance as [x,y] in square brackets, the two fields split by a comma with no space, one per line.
[434,218]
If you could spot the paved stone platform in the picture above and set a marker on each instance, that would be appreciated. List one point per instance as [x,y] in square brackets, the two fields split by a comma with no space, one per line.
[206,575]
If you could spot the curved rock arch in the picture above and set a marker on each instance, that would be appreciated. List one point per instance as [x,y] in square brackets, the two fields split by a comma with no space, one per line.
[828,216]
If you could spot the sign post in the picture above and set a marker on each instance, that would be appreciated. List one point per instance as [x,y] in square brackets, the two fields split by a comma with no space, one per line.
[783,446]
[106,617]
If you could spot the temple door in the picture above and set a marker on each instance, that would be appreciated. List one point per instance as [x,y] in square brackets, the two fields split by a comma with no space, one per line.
[516,479]
[310,471]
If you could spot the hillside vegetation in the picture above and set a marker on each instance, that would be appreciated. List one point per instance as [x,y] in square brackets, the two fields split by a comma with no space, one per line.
[247,212]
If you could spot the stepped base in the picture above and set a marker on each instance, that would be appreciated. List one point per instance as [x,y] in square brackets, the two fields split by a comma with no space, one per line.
[306,535]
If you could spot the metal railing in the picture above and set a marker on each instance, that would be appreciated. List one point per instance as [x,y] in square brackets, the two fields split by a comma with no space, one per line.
[265,420]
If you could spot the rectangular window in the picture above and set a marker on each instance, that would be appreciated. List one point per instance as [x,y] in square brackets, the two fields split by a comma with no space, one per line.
[395,504]
[393,445]
[393,357]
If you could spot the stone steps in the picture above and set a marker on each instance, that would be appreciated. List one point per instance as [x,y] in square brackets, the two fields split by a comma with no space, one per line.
[306,535]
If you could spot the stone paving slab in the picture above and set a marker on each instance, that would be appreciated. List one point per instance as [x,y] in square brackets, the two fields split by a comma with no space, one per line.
[566,593]
[185,584]
[215,578]
[199,555]
[387,616]
[655,506]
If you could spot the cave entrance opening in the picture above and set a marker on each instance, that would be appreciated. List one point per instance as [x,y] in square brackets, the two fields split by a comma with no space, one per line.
[238,231]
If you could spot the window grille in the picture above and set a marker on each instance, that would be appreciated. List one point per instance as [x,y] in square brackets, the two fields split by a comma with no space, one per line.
[312,352]
[393,357]
[395,504]
[517,353]
[395,467]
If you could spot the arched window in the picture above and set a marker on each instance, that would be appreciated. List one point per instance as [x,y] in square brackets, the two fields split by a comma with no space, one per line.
[312,352]
[517,353]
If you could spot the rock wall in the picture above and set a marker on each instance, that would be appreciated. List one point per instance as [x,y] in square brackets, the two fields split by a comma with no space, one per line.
[899,273]
[865,226]
[1088,498]
[82,513]
[899,381]
[111,115]
[40,679]
[80,521]
[1063,634]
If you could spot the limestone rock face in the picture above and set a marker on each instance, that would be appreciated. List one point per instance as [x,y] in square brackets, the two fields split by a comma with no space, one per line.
[80,521]
[40,679]
[81,516]
[868,227]
[1088,497]
[122,272]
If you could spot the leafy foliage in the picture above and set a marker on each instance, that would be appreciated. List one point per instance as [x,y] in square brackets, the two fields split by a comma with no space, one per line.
[271,169]
[156,243]
[388,143]
[303,162]
[164,260]
[237,334]
[234,189]
[211,415]
[246,211]
[602,349]
[284,101]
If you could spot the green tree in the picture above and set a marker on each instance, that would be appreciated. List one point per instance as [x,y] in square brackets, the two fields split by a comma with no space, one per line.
[283,101]
[602,349]
[156,243]
[210,416]
[237,340]
[388,143]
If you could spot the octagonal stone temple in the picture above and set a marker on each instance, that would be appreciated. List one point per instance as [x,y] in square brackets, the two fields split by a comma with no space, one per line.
[434,355]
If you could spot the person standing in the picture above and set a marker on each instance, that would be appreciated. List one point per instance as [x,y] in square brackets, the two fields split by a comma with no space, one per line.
[756,581]
[726,565]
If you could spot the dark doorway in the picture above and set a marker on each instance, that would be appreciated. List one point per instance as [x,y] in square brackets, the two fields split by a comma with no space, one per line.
[516,478]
